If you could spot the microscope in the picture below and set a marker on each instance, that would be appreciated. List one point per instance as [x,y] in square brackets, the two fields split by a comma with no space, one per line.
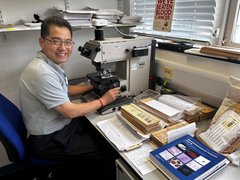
[120,62]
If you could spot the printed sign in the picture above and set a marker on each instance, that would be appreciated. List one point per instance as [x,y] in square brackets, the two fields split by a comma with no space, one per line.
[163,15]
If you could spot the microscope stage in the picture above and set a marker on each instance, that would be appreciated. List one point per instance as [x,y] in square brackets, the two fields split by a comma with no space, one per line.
[115,105]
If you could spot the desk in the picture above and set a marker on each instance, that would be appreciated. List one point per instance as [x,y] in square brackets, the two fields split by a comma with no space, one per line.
[230,172]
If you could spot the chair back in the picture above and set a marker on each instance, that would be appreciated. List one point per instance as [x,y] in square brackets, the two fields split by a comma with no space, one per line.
[13,133]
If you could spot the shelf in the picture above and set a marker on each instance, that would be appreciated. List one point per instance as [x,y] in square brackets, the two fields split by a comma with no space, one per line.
[196,52]
[123,25]
[25,28]
[19,28]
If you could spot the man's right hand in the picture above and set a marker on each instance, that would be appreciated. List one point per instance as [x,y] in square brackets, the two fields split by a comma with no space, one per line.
[110,96]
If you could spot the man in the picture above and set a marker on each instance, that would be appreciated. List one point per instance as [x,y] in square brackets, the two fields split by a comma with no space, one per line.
[50,117]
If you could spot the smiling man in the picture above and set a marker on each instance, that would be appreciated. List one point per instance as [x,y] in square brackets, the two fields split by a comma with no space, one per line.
[56,125]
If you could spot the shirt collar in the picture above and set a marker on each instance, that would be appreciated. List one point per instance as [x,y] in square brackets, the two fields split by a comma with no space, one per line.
[42,56]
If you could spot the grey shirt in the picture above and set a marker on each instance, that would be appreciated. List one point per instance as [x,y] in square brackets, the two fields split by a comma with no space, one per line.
[43,86]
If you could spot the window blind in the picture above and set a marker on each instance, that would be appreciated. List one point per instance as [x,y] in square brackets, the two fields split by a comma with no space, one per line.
[192,19]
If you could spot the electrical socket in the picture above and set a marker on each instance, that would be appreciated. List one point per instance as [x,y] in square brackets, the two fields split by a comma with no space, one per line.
[168,73]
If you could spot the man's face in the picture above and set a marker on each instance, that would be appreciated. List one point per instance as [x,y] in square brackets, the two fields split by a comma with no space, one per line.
[56,45]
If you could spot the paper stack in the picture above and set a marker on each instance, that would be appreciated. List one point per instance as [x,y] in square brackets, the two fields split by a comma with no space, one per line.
[229,52]
[206,112]
[140,118]
[160,137]
[171,108]
[133,20]
[112,15]
[161,110]
[77,18]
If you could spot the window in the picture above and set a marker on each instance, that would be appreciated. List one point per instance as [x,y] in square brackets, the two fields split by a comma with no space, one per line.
[232,35]
[193,20]
[236,32]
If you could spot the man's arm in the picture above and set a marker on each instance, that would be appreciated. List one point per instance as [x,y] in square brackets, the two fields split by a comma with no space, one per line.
[71,110]
[75,90]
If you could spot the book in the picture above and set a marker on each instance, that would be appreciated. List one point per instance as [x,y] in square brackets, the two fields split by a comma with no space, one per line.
[187,158]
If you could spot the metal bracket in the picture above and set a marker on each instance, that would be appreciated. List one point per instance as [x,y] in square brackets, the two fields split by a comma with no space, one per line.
[66,4]
[1,18]
[4,34]
[120,5]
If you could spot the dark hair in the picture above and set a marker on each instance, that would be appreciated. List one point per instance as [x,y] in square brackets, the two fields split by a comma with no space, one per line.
[53,20]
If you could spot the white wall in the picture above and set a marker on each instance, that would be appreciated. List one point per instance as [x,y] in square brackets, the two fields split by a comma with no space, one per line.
[20,47]
[206,78]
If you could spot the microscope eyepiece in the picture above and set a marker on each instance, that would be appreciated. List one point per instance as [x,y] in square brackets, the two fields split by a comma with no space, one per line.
[84,52]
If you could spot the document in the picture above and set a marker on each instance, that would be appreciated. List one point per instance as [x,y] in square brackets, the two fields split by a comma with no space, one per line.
[121,134]
[178,103]
[140,158]
[168,110]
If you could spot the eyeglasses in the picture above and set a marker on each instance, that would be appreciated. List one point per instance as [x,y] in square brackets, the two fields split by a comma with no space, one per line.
[58,42]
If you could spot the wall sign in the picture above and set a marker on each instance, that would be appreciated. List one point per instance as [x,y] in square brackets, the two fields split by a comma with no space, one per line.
[163,15]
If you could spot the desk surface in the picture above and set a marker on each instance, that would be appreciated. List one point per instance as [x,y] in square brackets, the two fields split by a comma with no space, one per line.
[230,172]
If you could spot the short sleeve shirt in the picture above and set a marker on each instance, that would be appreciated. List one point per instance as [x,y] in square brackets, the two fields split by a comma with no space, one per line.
[43,86]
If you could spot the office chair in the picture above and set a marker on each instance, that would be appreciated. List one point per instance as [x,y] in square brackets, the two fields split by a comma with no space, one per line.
[13,136]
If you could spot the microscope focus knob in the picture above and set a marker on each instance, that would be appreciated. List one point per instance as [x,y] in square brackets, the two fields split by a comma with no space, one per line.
[80,48]
[123,88]
[97,49]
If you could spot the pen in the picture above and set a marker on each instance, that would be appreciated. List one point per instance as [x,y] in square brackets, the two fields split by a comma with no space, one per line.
[133,147]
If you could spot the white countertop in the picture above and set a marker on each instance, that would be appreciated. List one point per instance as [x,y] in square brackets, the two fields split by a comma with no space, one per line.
[230,172]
